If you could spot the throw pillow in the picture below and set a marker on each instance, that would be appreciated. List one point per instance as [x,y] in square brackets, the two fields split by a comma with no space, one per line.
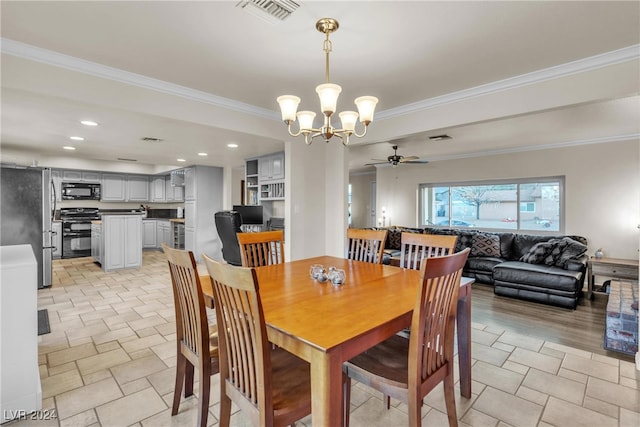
[485,245]
[554,252]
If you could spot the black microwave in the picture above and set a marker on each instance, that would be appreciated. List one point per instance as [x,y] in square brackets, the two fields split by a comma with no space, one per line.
[80,191]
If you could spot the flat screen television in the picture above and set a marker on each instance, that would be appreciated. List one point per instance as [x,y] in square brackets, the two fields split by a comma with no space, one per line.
[250,214]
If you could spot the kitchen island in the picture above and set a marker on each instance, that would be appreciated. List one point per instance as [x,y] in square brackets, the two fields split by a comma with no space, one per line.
[116,240]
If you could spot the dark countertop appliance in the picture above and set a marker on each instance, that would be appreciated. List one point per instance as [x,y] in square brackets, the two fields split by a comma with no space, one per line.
[76,231]
[80,191]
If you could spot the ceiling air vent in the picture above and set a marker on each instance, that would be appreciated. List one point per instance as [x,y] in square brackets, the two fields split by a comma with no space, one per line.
[150,139]
[127,160]
[439,137]
[272,11]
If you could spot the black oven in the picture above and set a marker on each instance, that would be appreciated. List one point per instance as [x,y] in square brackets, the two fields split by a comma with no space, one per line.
[76,231]
[80,191]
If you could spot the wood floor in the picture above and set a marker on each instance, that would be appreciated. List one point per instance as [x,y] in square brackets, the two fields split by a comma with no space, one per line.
[582,328]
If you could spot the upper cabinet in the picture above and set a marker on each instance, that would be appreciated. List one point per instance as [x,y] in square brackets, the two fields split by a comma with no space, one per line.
[137,188]
[125,188]
[173,193]
[264,179]
[81,176]
[158,193]
[271,168]
[190,184]
[114,187]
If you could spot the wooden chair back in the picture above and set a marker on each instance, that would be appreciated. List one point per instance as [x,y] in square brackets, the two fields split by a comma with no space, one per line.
[415,247]
[263,248]
[434,315]
[196,340]
[366,245]
[270,385]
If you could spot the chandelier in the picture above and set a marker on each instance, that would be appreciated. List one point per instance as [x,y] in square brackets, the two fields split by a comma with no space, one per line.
[328,93]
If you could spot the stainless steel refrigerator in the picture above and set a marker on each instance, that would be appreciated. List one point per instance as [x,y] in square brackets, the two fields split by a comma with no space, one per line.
[27,205]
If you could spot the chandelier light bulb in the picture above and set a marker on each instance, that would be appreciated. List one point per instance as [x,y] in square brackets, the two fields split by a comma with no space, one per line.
[328,94]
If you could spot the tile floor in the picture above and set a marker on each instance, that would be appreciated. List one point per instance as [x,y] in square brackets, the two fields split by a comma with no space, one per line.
[109,361]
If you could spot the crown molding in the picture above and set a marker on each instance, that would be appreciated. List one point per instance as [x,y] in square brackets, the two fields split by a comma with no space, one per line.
[626,54]
[600,140]
[34,53]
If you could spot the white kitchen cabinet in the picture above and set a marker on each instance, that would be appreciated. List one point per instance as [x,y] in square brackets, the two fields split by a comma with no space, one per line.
[137,188]
[173,193]
[200,231]
[91,176]
[72,176]
[149,238]
[271,168]
[96,242]
[158,191]
[114,187]
[56,240]
[81,176]
[190,183]
[122,241]
[164,233]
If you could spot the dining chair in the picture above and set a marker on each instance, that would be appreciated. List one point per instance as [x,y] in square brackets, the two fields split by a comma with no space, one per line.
[270,385]
[262,248]
[197,340]
[408,370]
[366,245]
[415,247]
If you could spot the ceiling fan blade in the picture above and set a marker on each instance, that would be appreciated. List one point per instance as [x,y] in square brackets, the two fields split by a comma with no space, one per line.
[409,159]
[417,161]
[381,160]
[377,163]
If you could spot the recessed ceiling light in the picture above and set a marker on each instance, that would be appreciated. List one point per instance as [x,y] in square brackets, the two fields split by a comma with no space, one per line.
[68,147]
[202,154]
[89,123]
[232,145]
[76,138]
[181,160]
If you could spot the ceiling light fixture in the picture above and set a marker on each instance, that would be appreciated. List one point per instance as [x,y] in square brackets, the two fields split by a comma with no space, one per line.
[89,123]
[76,138]
[232,145]
[202,154]
[328,93]
[181,160]
[68,147]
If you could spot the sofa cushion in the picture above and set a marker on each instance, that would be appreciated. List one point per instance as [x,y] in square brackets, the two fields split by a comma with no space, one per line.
[485,244]
[482,263]
[506,241]
[521,274]
[554,252]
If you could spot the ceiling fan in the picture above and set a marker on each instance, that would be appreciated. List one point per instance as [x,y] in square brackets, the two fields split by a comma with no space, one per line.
[396,159]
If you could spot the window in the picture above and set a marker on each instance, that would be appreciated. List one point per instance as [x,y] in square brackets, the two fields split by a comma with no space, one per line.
[504,205]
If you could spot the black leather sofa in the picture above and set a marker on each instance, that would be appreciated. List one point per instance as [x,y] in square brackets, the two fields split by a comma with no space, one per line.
[541,268]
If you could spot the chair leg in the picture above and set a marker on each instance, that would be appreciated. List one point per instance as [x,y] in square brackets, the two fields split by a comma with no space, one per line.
[346,399]
[205,390]
[450,400]
[177,391]
[414,402]
[188,381]
[225,406]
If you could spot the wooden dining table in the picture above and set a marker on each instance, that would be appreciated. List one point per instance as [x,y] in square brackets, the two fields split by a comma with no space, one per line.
[327,325]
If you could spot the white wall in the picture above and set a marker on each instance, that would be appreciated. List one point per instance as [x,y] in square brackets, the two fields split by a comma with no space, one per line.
[361,199]
[602,188]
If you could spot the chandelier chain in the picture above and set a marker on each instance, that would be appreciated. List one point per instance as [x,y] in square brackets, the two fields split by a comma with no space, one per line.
[327,47]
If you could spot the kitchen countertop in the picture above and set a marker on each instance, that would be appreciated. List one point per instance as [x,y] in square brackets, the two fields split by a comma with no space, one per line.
[178,220]
[97,222]
[121,213]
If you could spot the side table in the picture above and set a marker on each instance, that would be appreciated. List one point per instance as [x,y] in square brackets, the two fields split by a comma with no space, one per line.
[615,268]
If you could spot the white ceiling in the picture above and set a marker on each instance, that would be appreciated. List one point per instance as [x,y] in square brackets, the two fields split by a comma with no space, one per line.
[208,73]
